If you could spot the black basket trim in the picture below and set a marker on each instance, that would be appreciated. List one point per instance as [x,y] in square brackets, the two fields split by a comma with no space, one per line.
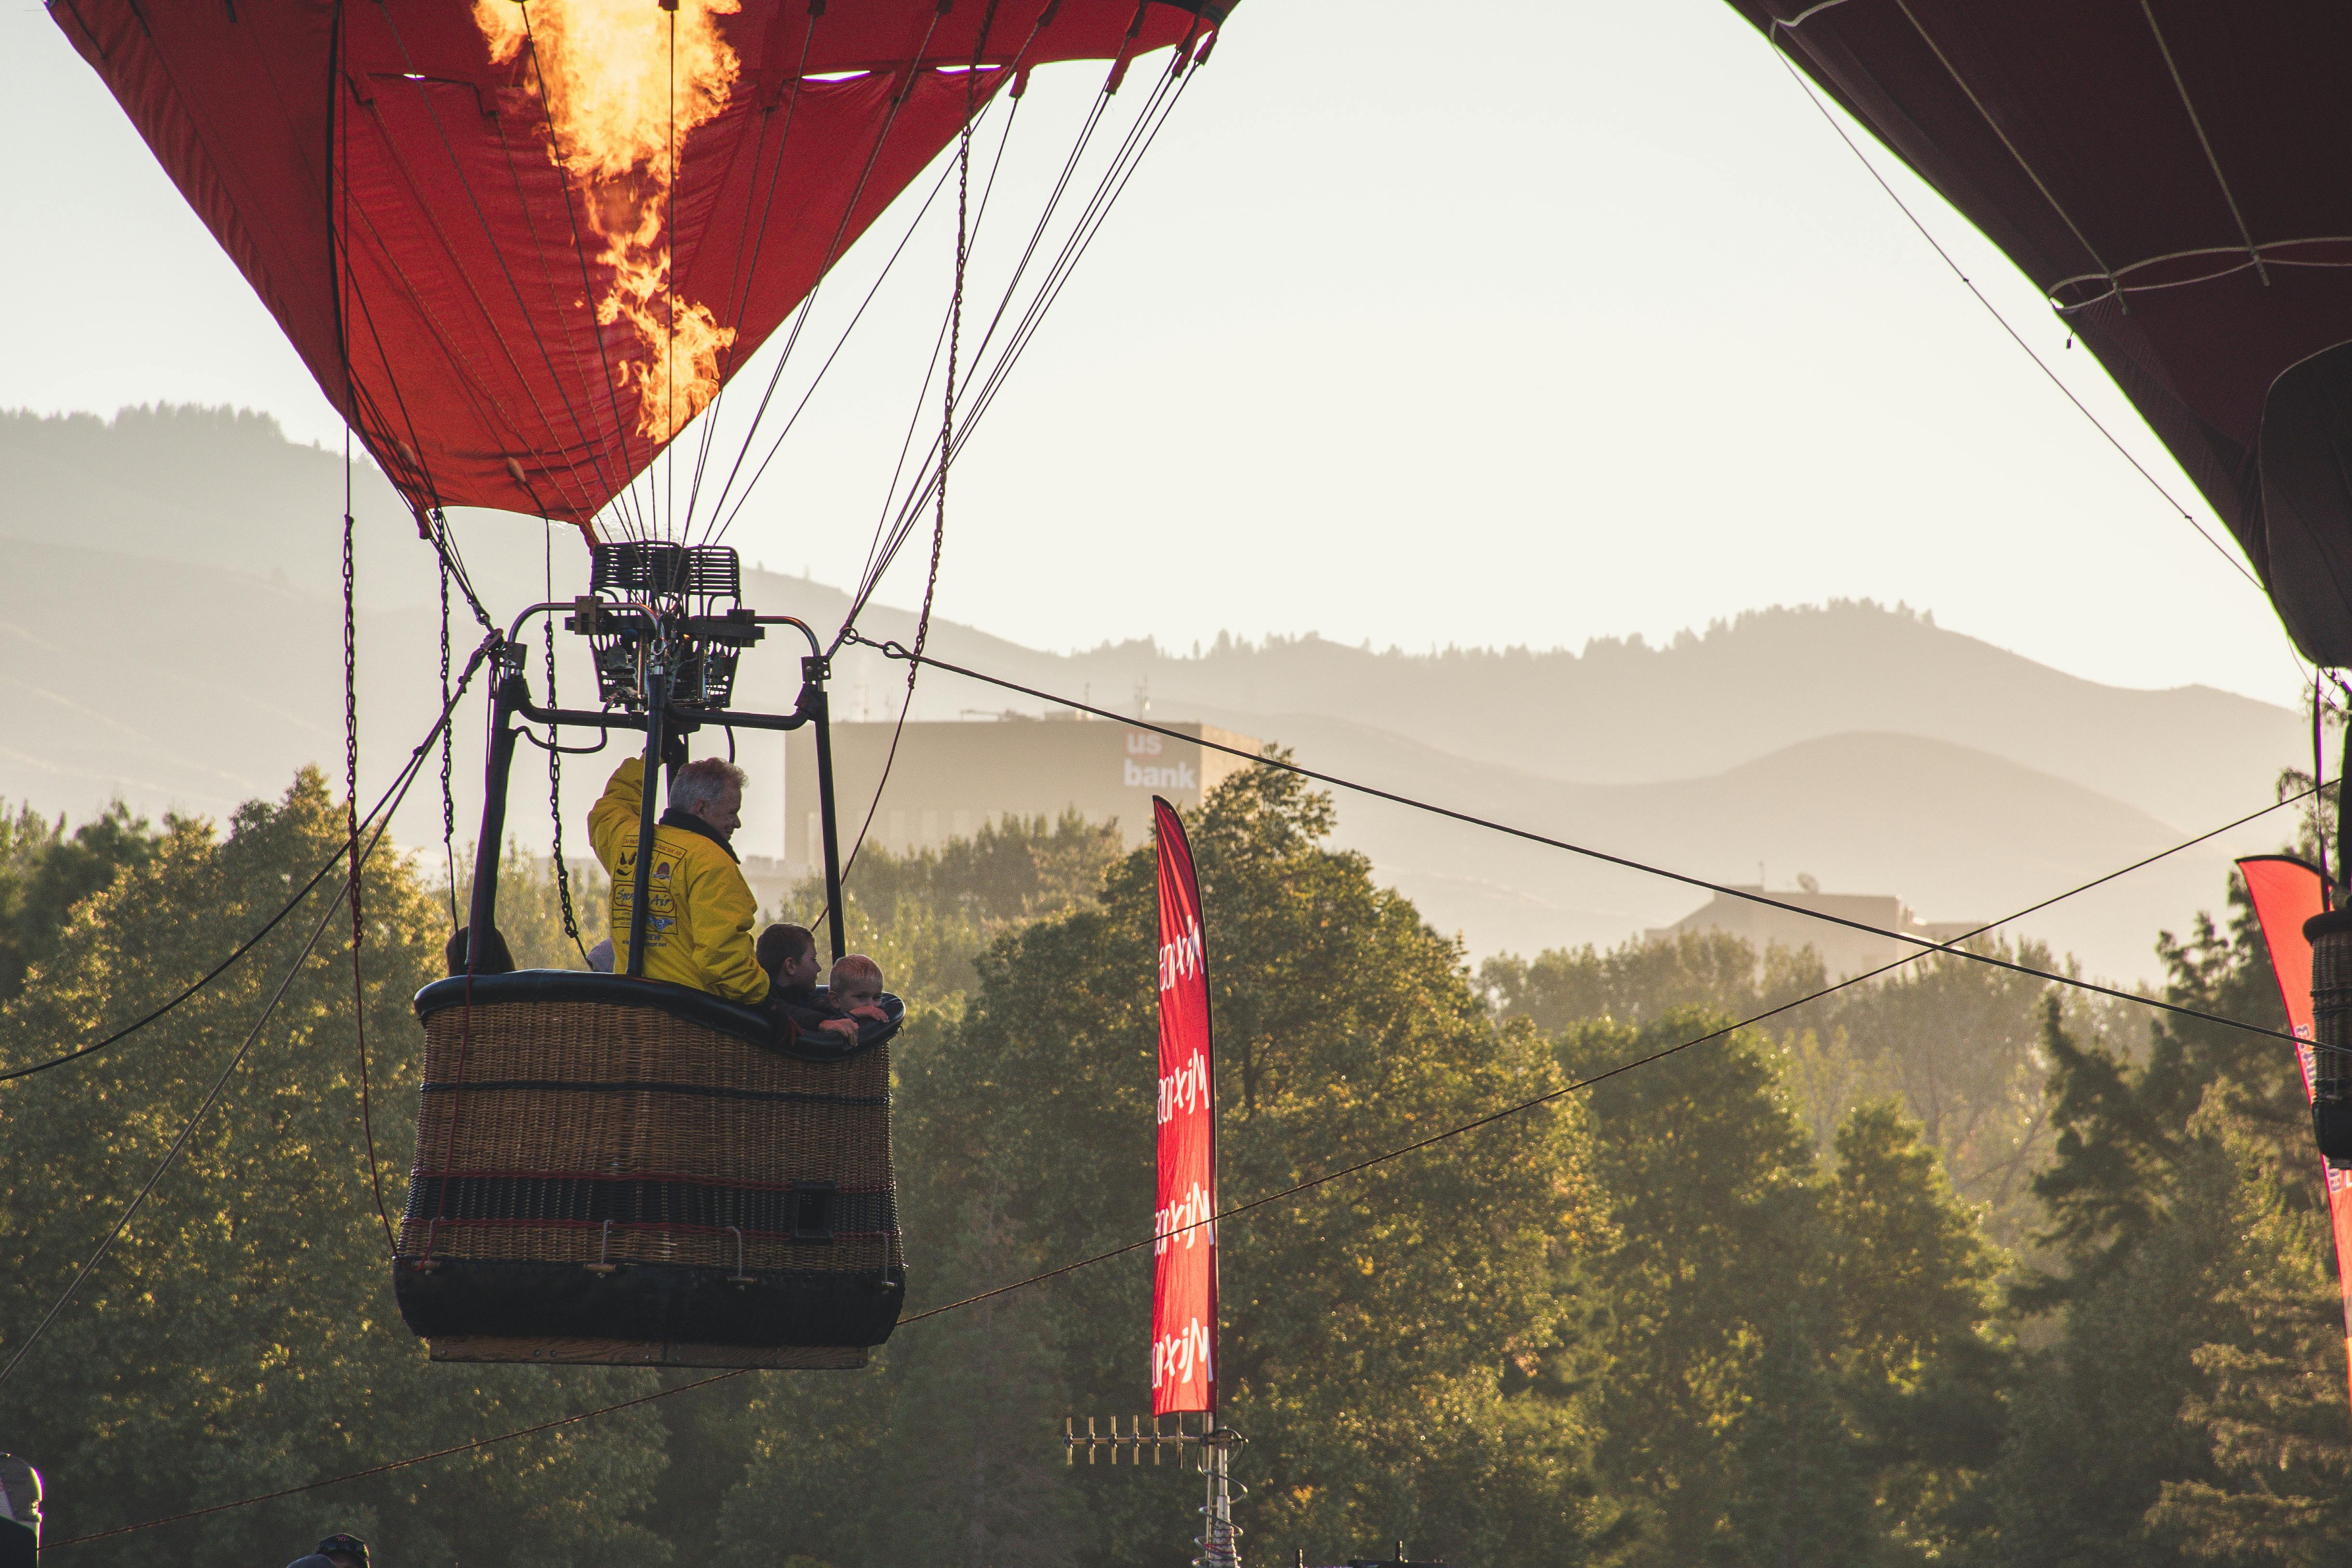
[532,986]
[648,1086]
[500,1299]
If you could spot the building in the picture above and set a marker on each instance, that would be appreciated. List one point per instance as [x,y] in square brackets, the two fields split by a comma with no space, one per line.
[1844,952]
[951,776]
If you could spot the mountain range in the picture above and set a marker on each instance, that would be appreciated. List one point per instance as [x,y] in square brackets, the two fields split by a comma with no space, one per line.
[174,620]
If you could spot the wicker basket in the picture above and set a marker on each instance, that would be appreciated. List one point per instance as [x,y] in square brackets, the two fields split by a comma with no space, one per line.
[619,1172]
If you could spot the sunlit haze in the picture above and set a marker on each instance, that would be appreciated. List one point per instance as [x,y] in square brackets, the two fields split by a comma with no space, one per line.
[1579,322]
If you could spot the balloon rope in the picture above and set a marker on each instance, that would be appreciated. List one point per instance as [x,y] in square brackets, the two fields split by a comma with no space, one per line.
[669,281]
[947,445]
[352,831]
[757,235]
[831,253]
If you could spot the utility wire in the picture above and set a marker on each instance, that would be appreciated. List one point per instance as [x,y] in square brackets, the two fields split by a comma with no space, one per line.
[894,650]
[219,1084]
[1584,1083]
[209,976]
[1521,1106]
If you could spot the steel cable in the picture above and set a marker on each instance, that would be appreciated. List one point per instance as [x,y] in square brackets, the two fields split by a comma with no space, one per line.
[894,650]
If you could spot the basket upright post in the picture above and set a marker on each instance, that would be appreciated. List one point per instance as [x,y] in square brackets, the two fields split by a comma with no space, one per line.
[814,703]
[656,700]
[511,694]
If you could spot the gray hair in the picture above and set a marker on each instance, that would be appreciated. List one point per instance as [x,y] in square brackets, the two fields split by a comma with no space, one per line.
[703,782]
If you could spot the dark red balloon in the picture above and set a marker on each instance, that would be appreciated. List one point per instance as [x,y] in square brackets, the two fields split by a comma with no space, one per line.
[2177,177]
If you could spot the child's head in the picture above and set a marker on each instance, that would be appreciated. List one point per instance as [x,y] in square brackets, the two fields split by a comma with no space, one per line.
[788,953]
[856,981]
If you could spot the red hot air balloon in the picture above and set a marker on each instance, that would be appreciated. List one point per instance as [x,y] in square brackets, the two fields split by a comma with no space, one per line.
[519,246]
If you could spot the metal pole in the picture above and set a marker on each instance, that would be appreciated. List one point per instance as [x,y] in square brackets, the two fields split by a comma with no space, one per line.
[483,916]
[1219,1551]
[820,710]
[656,698]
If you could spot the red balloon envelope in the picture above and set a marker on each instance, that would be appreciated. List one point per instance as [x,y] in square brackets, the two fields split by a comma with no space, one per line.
[520,246]
[2177,177]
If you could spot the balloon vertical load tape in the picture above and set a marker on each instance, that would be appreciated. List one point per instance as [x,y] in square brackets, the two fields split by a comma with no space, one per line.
[2330,935]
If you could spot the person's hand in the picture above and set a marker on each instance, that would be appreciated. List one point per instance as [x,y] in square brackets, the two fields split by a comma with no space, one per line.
[870,1010]
[841,1027]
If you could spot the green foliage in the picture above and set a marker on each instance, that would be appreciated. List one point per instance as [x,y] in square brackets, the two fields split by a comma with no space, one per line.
[2124,1127]
[926,915]
[2163,1423]
[1796,1363]
[1377,1330]
[1957,1042]
[241,1336]
[1737,1308]
[44,874]
[1641,981]
[2271,1404]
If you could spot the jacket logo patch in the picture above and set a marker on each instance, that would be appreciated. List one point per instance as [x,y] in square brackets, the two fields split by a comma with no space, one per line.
[661,870]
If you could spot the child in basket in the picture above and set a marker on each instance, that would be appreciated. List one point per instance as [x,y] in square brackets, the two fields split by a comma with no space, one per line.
[788,955]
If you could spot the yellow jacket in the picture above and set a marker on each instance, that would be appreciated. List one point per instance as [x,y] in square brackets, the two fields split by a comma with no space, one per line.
[701,910]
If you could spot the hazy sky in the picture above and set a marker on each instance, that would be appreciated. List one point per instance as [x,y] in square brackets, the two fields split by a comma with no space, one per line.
[1506,322]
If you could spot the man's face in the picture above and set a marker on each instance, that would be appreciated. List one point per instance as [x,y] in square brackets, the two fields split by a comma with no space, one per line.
[725,813]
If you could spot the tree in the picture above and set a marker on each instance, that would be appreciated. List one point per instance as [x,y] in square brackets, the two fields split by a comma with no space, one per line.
[1799,1365]
[45,874]
[1711,1242]
[1641,981]
[1955,1041]
[1370,1323]
[241,1336]
[1924,1364]
[2272,1400]
[927,915]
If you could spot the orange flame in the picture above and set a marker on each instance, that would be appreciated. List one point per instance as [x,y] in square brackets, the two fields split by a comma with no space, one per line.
[618,111]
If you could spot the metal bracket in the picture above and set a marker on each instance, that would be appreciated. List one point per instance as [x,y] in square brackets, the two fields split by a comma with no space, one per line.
[1136,1439]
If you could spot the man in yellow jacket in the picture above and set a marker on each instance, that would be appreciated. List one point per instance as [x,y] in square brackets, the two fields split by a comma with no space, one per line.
[699,908]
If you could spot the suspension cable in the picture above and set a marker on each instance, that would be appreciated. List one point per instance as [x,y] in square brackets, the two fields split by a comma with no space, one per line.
[2080,407]
[352,842]
[449,760]
[833,252]
[947,440]
[555,766]
[1139,138]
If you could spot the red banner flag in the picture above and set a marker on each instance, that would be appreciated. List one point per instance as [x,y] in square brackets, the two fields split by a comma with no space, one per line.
[1184,1255]
[2286,892]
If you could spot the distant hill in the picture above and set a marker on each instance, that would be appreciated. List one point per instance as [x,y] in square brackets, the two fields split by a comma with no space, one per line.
[173,613]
